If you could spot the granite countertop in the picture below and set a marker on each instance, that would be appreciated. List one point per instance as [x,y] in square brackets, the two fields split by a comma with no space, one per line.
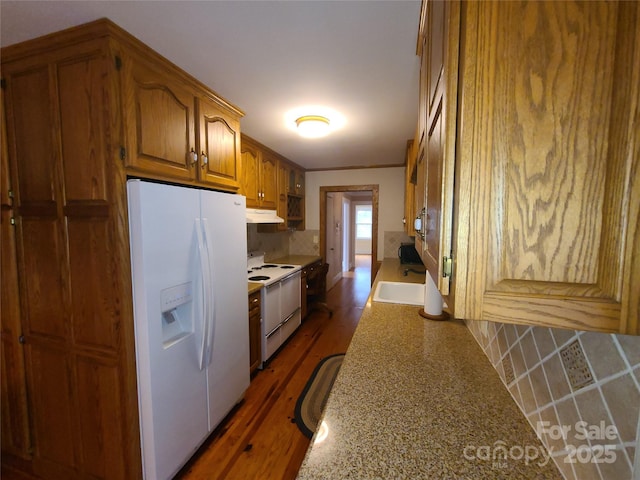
[303,260]
[254,287]
[418,399]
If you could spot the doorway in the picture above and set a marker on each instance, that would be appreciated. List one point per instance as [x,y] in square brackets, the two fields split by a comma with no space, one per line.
[333,238]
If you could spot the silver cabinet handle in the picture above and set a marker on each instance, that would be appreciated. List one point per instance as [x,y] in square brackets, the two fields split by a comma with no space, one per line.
[204,159]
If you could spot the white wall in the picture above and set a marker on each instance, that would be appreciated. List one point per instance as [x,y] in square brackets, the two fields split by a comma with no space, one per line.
[391,199]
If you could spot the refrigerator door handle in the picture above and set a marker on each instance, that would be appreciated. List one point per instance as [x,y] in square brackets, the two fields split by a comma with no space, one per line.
[211,308]
[204,274]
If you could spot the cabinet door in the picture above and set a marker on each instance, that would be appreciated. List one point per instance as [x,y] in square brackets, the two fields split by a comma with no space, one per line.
[255,334]
[300,182]
[283,180]
[296,181]
[72,273]
[13,400]
[219,147]
[251,161]
[269,181]
[550,134]
[159,120]
[419,202]
[441,84]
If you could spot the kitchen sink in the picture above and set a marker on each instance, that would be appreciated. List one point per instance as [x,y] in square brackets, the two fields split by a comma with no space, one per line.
[399,292]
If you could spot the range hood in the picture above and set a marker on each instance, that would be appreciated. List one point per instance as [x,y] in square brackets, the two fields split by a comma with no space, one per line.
[256,215]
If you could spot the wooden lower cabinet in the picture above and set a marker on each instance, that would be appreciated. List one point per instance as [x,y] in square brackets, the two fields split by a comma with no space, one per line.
[255,331]
[303,291]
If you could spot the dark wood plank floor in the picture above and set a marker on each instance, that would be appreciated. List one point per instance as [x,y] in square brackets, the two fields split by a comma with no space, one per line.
[260,440]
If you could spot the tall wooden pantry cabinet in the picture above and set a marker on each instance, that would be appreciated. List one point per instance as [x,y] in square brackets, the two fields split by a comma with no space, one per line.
[85,108]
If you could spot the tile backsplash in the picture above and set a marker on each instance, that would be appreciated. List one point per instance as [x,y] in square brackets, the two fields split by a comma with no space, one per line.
[273,245]
[302,243]
[580,392]
[392,242]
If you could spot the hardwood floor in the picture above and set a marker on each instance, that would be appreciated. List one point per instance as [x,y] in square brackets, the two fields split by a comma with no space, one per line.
[260,439]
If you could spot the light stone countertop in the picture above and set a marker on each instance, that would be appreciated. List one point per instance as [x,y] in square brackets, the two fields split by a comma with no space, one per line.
[303,260]
[418,399]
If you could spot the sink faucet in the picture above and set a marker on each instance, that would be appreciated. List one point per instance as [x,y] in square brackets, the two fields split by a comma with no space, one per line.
[407,270]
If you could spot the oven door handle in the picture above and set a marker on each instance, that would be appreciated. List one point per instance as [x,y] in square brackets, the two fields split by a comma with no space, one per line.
[268,335]
[290,316]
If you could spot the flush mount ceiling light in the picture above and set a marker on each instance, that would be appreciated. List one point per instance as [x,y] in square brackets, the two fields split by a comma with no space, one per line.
[313,121]
[313,126]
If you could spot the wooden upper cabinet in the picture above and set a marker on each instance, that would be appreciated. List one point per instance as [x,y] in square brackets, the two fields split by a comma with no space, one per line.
[547,185]
[259,175]
[177,130]
[282,184]
[160,122]
[409,190]
[269,181]
[251,159]
[435,163]
[295,182]
[219,146]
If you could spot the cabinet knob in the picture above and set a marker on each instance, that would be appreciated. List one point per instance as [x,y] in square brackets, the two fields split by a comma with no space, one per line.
[204,159]
[193,156]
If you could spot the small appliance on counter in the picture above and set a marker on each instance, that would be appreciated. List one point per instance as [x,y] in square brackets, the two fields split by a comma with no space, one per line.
[408,254]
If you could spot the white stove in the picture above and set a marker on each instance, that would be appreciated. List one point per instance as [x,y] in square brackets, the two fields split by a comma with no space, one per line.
[267,273]
[281,299]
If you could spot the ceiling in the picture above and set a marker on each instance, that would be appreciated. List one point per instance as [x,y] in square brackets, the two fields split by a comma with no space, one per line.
[268,57]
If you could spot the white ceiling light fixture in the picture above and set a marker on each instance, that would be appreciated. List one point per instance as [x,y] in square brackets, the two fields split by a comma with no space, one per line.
[313,126]
[313,121]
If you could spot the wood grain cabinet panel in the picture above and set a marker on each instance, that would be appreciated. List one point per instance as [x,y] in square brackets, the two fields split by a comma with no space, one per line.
[251,171]
[255,331]
[219,142]
[260,175]
[74,294]
[14,416]
[269,181]
[160,119]
[554,169]
[537,122]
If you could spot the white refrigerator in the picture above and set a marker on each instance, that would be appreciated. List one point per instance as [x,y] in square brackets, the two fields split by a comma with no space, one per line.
[188,255]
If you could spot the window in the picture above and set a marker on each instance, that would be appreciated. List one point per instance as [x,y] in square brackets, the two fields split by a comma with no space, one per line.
[364,217]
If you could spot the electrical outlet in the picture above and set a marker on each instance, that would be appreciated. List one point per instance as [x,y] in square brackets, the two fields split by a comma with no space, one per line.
[509,376]
[315,239]
[575,364]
